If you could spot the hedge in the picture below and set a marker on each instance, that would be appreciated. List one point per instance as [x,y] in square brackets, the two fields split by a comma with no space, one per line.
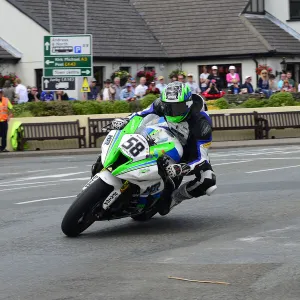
[276,100]
[66,108]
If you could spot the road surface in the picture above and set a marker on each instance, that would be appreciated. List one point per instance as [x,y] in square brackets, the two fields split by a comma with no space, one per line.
[246,234]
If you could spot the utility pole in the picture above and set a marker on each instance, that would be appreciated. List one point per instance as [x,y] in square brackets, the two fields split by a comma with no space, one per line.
[85,16]
[50,16]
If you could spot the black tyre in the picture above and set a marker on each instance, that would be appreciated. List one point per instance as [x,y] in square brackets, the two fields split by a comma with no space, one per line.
[79,217]
[145,216]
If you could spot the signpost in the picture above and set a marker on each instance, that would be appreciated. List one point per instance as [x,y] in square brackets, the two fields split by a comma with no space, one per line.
[59,83]
[68,55]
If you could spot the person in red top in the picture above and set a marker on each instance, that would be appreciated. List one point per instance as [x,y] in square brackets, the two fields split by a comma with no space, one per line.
[152,89]
[5,106]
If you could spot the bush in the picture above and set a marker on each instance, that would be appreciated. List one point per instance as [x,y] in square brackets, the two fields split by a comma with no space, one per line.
[147,100]
[253,103]
[281,99]
[221,103]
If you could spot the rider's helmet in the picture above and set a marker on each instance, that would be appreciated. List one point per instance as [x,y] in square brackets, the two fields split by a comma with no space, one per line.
[177,101]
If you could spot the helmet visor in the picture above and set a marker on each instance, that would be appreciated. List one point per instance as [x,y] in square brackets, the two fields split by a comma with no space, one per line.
[175,109]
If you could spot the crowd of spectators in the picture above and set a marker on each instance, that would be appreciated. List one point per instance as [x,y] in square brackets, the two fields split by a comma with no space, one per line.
[210,85]
[18,93]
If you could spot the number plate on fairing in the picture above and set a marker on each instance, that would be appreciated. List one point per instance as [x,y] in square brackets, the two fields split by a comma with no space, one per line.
[134,146]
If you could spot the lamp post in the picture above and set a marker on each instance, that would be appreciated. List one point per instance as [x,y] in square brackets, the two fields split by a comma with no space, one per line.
[50,16]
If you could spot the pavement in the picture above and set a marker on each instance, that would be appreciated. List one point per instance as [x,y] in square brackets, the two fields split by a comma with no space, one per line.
[246,234]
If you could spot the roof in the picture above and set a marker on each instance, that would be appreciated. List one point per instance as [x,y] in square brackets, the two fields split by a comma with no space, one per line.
[278,39]
[164,29]
[118,30]
[6,55]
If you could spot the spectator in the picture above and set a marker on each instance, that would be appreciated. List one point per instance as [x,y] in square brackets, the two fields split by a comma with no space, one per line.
[273,83]
[214,75]
[174,78]
[283,77]
[153,89]
[289,77]
[8,91]
[193,85]
[181,78]
[34,95]
[235,88]
[286,86]
[127,93]
[61,96]
[108,92]
[117,87]
[94,93]
[47,96]
[5,107]
[161,85]
[247,87]
[232,77]
[21,91]
[263,83]
[141,89]
[213,88]
[203,79]
[133,85]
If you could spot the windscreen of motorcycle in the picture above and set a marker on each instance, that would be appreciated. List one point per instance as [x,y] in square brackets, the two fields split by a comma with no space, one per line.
[107,145]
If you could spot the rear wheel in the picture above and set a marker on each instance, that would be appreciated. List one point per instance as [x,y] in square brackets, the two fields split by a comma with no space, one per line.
[79,216]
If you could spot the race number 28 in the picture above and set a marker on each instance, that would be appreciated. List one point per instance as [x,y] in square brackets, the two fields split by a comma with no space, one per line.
[133,146]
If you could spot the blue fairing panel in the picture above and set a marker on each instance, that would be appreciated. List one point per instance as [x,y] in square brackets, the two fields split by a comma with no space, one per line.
[174,155]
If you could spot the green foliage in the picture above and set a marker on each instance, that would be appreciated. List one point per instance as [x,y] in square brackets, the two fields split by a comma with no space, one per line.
[281,99]
[222,103]
[148,100]
[253,103]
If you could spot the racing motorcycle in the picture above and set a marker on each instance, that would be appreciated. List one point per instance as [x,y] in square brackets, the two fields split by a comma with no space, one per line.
[128,177]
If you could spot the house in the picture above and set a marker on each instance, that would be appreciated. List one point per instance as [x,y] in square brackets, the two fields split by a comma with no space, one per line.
[140,34]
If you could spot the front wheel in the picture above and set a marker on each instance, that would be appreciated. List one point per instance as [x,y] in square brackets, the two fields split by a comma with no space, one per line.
[79,216]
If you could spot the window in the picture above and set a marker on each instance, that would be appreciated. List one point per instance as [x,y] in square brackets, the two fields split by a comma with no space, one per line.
[98,75]
[38,78]
[223,70]
[146,69]
[127,69]
[255,7]
[295,10]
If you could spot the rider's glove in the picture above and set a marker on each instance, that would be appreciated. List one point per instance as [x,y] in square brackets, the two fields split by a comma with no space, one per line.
[175,170]
[119,124]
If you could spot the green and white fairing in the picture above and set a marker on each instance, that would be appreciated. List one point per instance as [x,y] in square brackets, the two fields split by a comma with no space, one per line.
[131,154]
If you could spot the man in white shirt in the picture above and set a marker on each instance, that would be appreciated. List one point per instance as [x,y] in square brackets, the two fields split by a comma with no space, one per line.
[21,92]
[141,89]
[193,85]
[161,85]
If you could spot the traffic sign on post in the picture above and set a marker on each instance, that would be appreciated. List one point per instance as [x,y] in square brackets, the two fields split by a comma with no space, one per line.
[68,55]
[58,83]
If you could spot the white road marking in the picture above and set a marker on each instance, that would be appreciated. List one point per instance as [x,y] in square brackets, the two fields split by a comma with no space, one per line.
[233,162]
[46,176]
[45,182]
[274,169]
[37,171]
[47,199]
[27,187]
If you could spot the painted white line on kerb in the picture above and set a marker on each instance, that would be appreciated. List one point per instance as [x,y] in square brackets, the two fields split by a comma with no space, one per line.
[268,170]
[47,199]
